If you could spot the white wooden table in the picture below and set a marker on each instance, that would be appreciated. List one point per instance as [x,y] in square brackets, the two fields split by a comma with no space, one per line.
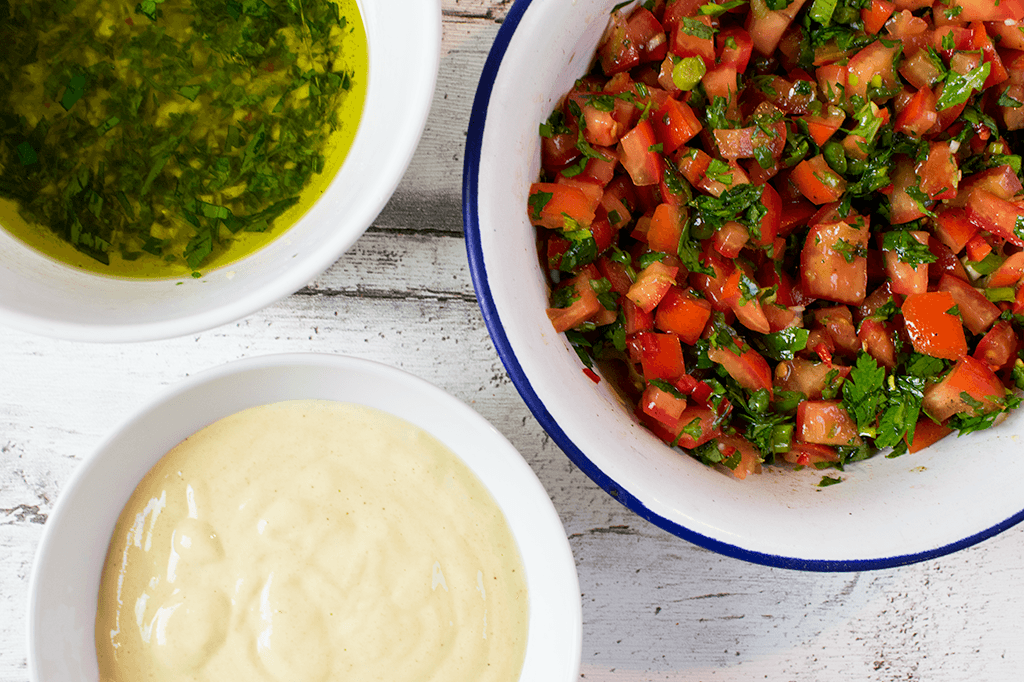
[654,606]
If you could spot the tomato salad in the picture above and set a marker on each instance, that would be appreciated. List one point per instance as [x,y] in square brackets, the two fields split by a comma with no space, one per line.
[793,230]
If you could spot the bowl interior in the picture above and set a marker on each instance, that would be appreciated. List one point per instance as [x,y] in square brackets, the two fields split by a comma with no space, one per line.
[885,512]
[68,566]
[40,295]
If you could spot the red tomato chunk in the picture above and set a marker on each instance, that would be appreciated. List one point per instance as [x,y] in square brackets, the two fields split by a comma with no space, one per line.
[794,236]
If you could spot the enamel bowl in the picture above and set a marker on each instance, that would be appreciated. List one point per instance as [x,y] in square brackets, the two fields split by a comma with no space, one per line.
[885,512]
[40,295]
[66,575]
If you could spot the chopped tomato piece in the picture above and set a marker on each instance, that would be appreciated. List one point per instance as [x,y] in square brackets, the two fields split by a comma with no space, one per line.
[651,285]
[748,368]
[551,203]
[666,228]
[684,314]
[998,348]
[977,312]
[933,325]
[926,433]
[639,155]
[809,377]
[999,216]
[662,405]
[810,454]
[876,14]
[675,124]
[970,376]
[817,181]
[834,264]
[584,306]
[825,422]
[750,459]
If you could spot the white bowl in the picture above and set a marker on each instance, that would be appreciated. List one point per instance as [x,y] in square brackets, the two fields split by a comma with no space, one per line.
[886,512]
[39,295]
[66,575]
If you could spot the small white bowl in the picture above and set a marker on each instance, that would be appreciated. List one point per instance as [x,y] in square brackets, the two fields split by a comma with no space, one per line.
[886,512]
[40,295]
[66,575]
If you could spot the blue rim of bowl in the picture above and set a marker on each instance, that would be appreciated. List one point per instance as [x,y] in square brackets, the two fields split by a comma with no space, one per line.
[478,272]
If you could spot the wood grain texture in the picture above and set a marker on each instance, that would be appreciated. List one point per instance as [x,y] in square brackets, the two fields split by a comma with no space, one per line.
[654,606]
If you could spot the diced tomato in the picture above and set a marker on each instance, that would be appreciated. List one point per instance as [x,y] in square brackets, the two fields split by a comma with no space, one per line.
[946,263]
[817,181]
[926,433]
[872,63]
[998,348]
[636,319]
[825,422]
[666,228]
[875,16]
[617,52]
[647,33]
[1009,273]
[919,115]
[662,405]
[582,308]
[838,322]
[651,285]
[832,82]
[833,264]
[906,278]
[921,71]
[747,307]
[674,124]
[977,312]
[932,325]
[988,10]
[616,274]
[904,208]
[703,418]
[748,368]
[1002,181]
[766,26]
[639,156]
[953,228]
[980,40]
[683,314]
[809,377]
[556,201]
[996,215]
[731,238]
[750,459]
[661,356]
[690,39]
[734,47]
[810,454]
[877,342]
[970,376]
[721,82]
[822,127]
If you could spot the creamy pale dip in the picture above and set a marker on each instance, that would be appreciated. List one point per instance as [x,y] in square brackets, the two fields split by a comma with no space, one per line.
[311,540]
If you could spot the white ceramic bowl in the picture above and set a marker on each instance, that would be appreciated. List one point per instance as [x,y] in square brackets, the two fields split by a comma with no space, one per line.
[886,512]
[39,295]
[66,575]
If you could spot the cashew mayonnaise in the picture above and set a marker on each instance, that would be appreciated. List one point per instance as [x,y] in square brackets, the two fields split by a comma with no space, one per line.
[311,540]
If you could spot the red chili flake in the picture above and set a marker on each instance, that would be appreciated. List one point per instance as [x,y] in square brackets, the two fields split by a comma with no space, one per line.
[592,374]
[269,67]
[129,21]
[46,104]
[248,117]
[824,353]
